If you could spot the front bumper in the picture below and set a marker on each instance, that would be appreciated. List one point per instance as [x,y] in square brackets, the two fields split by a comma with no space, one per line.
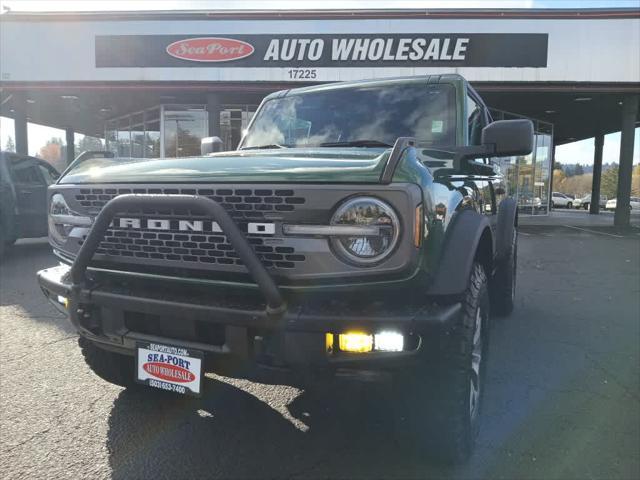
[269,329]
[294,337]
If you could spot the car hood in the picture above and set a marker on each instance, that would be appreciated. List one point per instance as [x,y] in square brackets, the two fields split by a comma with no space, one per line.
[291,165]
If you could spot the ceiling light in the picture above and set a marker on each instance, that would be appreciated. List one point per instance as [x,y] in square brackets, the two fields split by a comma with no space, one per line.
[582,99]
[31,101]
[549,111]
[68,97]
[105,110]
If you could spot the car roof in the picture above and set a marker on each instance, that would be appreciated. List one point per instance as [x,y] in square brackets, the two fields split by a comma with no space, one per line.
[431,79]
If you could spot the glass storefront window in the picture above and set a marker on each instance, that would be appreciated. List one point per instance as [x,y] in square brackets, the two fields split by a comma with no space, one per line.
[110,136]
[152,133]
[544,141]
[234,120]
[137,135]
[528,176]
[184,128]
[123,137]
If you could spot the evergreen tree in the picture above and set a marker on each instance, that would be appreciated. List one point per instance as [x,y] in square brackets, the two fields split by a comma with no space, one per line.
[609,182]
[10,146]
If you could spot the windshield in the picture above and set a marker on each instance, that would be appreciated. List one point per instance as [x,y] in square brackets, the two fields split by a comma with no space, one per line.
[367,116]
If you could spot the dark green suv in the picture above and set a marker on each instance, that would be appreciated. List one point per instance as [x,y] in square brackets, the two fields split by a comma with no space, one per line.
[359,227]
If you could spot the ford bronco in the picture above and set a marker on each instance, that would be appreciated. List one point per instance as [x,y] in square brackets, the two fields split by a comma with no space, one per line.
[359,227]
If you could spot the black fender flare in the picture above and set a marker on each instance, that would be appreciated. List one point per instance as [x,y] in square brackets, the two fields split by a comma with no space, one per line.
[458,253]
[506,222]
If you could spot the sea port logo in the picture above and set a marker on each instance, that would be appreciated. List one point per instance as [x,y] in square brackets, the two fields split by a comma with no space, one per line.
[210,49]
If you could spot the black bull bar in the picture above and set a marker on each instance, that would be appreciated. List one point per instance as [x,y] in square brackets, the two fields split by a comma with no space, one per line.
[198,205]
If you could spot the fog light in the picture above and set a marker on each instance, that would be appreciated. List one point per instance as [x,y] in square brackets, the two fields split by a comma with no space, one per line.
[355,342]
[389,341]
[63,301]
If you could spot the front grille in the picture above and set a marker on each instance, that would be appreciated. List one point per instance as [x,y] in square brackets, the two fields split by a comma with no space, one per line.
[192,247]
[175,248]
[239,202]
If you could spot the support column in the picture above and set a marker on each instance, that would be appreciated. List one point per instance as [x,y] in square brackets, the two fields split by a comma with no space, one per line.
[71,145]
[213,108]
[594,206]
[629,115]
[553,165]
[20,122]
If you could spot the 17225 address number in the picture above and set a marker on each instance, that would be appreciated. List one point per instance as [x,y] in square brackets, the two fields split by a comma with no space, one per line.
[302,73]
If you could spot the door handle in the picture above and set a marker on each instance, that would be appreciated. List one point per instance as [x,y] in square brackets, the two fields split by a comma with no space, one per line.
[26,192]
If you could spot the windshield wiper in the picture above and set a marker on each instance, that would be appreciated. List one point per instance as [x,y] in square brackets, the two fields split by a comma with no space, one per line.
[356,143]
[264,147]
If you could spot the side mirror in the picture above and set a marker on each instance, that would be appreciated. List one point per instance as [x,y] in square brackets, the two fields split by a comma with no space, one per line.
[509,137]
[210,145]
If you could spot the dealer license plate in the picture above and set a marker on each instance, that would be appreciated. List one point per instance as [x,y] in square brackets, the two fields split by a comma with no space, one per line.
[174,369]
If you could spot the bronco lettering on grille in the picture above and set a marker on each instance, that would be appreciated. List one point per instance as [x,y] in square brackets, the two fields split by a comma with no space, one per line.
[190,225]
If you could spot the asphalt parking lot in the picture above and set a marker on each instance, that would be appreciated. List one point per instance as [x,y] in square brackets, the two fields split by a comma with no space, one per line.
[562,399]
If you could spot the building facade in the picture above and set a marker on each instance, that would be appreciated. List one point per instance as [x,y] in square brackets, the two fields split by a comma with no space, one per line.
[155,84]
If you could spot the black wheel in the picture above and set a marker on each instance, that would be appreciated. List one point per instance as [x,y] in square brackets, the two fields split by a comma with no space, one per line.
[569,205]
[586,206]
[112,367]
[553,205]
[503,285]
[438,406]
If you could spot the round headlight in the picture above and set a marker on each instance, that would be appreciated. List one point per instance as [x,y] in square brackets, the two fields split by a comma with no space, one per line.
[58,210]
[62,220]
[59,205]
[371,246]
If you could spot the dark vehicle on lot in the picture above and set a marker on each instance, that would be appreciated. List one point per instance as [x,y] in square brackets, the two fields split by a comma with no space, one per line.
[359,227]
[23,197]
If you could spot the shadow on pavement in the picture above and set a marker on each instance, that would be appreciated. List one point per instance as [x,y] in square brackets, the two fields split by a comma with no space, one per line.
[19,290]
[232,433]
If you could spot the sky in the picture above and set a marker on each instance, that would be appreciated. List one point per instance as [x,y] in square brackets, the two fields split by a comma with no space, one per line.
[90,5]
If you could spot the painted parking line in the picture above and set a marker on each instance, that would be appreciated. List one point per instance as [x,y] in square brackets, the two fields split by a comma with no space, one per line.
[594,231]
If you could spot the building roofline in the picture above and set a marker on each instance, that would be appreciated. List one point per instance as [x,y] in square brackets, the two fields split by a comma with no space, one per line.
[266,86]
[432,14]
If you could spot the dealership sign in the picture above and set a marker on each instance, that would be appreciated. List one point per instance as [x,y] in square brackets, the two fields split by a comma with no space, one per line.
[364,50]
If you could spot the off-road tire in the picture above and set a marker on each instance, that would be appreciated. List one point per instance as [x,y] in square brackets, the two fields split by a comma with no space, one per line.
[433,407]
[503,285]
[112,367]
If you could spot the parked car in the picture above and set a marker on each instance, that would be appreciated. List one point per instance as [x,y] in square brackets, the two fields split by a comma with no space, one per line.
[585,201]
[561,200]
[23,197]
[634,203]
[311,217]
[577,202]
